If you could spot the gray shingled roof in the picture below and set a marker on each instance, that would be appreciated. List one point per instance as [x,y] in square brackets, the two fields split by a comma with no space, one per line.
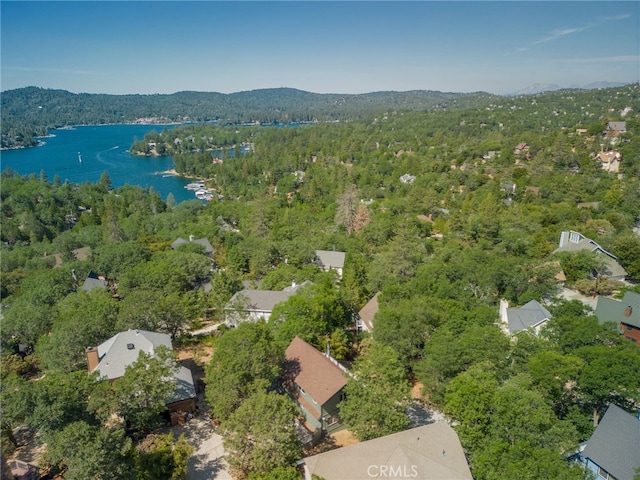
[264,300]
[429,452]
[620,126]
[185,387]
[123,349]
[330,258]
[260,300]
[610,310]
[93,281]
[615,444]
[612,267]
[527,316]
[201,241]
[115,354]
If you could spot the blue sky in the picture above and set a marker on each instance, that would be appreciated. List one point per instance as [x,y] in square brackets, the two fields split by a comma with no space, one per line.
[325,47]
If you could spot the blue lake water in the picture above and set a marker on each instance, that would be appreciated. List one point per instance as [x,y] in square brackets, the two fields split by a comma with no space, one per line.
[102,148]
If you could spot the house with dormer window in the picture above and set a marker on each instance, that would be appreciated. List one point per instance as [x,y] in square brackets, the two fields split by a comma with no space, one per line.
[111,358]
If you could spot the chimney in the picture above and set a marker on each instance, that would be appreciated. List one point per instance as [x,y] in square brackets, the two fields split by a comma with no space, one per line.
[191,238]
[328,352]
[92,358]
[627,311]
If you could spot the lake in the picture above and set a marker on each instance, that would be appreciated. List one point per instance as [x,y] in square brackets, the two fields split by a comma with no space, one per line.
[102,148]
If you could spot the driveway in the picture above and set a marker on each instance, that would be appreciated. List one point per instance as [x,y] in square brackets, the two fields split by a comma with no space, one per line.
[573,295]
[206,462]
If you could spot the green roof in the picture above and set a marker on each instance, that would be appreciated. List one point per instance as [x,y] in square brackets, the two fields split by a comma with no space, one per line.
[610,310]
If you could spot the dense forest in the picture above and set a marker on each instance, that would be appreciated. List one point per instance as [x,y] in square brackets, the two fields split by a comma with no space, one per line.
[437,210]
[30,112]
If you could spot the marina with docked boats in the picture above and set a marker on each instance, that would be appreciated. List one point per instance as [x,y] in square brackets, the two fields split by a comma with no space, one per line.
[201,192]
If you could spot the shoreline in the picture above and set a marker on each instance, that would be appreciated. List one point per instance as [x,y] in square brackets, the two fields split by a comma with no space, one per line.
[171,172]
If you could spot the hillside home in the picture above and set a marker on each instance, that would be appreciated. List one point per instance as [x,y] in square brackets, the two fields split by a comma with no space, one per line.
[508,187]
[591,205]
[531,316]
[625,313]
[406,178]
[315,381]
[367,314]
[610,161]
[521,149]
[613,451]
[252,305]
[429,452]
[208,248]
[571,241]
[92,281]
[330,260]
[112,357]
[82,253]
[615,128]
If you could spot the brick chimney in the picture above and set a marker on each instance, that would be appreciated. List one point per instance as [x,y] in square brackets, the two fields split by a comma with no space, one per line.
[627,311]
[92,358]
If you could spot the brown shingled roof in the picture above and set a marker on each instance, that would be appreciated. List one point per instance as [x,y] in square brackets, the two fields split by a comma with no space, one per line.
[368,312]
[312,371]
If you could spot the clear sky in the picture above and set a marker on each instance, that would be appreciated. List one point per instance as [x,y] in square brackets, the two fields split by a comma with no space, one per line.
[325,47]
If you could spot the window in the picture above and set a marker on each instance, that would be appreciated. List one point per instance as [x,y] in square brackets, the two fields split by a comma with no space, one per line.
[602,473]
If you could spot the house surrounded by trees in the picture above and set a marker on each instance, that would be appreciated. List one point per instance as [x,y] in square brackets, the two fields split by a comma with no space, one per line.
[111,358]
[315,381]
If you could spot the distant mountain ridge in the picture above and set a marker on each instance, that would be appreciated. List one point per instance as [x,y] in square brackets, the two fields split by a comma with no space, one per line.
[536,88]
[32,111]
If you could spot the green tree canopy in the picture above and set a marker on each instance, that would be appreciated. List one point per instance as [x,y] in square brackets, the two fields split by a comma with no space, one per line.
[246,360]
[89,452]
[376,394]
[260,435]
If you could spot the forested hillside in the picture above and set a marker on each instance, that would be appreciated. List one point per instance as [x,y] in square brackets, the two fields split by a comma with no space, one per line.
[437,210]
[31,112]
